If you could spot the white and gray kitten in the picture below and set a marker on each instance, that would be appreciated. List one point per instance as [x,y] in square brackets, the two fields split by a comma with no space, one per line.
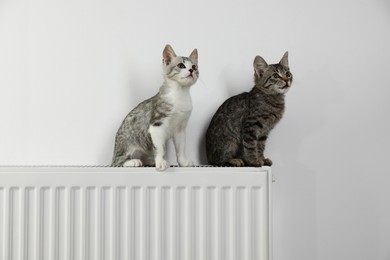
[141,138]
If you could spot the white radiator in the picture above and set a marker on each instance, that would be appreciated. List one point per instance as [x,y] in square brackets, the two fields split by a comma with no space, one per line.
[104,213]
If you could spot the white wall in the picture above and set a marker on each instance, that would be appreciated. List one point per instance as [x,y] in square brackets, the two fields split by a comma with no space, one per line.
[71,70]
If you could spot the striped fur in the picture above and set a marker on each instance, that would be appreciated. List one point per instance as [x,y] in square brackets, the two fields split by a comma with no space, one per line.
[239,129]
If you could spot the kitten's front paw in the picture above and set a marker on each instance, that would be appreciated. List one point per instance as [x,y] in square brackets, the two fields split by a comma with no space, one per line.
[162,165]
[261,162]
[256,163]
[133,163]
[186,163]
[236,163]
[267,162]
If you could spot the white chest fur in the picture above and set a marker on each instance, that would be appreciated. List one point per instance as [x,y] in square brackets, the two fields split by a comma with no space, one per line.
[173,126]
[180,99]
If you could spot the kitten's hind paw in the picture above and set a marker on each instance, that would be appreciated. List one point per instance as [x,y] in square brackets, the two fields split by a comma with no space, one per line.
[162,166]
[186,163]
[133,163]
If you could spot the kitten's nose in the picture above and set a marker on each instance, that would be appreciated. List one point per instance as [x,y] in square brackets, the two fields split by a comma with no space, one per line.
[191,70]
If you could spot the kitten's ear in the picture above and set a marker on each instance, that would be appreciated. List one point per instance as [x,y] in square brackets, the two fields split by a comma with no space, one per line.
[194,56]
[168,54]
[260,65]
[284,60]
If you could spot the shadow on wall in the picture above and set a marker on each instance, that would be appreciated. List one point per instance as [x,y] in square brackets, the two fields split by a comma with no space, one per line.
[386,3]
[202,143]
[296,148]
[301,132]
[129,95]
[105,154]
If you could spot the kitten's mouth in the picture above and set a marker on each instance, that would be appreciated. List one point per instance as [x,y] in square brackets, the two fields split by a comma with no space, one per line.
[286,86]
[189,77]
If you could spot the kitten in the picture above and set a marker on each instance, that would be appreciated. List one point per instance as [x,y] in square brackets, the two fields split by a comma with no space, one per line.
[239,129]
[141,138]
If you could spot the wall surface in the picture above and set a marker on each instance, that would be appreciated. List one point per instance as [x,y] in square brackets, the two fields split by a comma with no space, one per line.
[71,70]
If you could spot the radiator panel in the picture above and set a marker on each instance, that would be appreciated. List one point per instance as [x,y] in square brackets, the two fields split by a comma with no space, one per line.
[83,213]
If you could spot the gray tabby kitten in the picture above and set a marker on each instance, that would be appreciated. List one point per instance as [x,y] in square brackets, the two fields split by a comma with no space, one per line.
[239,129]
[141,138]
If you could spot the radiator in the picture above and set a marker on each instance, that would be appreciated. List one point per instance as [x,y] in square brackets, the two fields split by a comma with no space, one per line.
[85,213]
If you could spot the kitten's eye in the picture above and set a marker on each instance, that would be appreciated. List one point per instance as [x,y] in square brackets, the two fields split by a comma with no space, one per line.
[288,74]
[276,76]
[194,67]
[181,65]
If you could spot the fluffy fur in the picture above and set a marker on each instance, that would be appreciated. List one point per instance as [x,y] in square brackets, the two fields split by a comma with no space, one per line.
[239,129]
[142,136]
